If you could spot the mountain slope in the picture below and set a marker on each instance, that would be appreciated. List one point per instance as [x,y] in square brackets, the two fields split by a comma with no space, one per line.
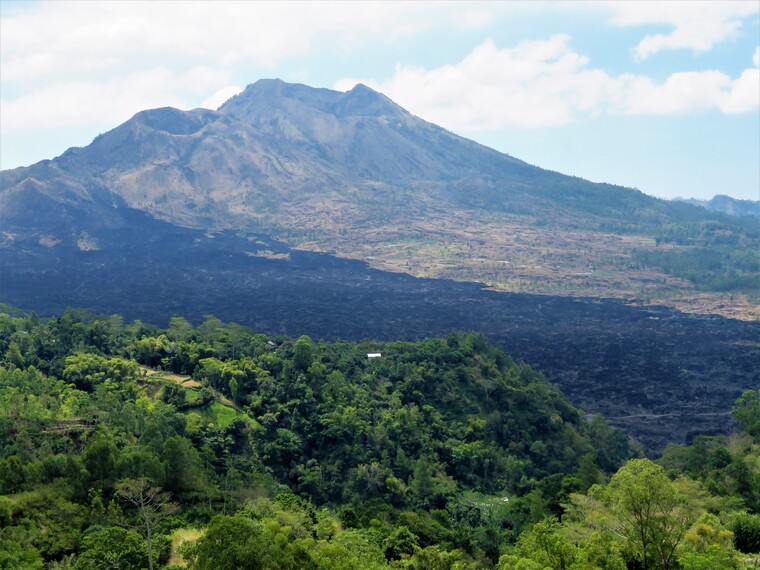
[356,174]
[660,374]
[131,225]
[279,142]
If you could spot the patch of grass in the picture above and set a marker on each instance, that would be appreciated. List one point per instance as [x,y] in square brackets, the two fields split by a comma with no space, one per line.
[219,414]
[192,395]
[267,254]
[178,538]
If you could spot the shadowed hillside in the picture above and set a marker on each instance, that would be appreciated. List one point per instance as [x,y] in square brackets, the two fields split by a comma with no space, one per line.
[661,374]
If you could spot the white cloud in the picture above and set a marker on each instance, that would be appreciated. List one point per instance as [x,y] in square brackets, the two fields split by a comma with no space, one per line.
[697,25]
[694,91]
[534,84]
[216,100]
[545,83]
[58,38]
[27,68]
[79,63]
[744,94]
[680,93]
[472,18]
[73,63]
[72,103]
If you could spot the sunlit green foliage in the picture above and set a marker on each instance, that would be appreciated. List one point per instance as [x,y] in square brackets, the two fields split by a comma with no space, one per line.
[442,454]
[715,256]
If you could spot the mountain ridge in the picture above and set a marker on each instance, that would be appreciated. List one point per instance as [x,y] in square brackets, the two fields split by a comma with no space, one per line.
[281,110]
[354,173]
[259,109]
[727,205]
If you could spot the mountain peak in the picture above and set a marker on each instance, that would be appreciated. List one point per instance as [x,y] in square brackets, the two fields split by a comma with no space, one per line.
[365,101]
[266,95]
[174,121]
[362,90]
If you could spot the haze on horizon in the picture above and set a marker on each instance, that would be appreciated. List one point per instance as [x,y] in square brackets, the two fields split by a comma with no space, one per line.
[659,96]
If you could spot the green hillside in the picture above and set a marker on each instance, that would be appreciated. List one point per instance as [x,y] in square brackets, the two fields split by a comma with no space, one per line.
[127,446]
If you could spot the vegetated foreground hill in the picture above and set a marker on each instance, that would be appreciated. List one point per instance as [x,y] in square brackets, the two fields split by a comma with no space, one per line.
[661,374]
[90,431]
[356,174]
[253,452]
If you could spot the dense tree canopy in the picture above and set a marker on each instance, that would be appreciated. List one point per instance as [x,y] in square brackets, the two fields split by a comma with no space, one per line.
[133,447]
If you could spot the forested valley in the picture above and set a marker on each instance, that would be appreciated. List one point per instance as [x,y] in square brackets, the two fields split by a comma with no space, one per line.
[128,446]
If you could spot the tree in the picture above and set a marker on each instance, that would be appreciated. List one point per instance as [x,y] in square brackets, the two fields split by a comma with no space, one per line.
[234,388]
[138,462]
[12,475]
[401,543]
[100,458]
[650,511]
[708,545]
[236,336]
[210,330]
[174,394]
[746,532]
[241,543]
[599,550]
[88,370]
[179,329]
[370,479]
[152,504]
[747,412]
[302,353]
[17,551]
[544,544]
[112,547]
[184,466]
[422,484]
[588,473]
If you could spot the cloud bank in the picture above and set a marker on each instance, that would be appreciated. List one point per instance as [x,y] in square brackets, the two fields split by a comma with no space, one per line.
[546,83]
[697,25]
[97,63]
[101,62]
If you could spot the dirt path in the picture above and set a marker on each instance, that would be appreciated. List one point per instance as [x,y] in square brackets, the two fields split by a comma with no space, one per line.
[185,381]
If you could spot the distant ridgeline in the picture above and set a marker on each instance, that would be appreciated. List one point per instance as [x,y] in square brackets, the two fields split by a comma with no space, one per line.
[727,205]
[710,254]
[124,443]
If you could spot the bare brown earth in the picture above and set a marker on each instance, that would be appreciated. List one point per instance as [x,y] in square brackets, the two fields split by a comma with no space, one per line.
[505,254]
[178,378]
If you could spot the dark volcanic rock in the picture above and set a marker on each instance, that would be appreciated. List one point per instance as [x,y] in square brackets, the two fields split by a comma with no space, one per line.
[283,159]
[660,374]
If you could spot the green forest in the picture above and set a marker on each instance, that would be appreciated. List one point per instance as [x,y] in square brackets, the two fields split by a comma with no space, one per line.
[128,446]
[714,256]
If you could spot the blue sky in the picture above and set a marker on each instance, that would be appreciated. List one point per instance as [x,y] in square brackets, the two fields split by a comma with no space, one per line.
[661,96]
